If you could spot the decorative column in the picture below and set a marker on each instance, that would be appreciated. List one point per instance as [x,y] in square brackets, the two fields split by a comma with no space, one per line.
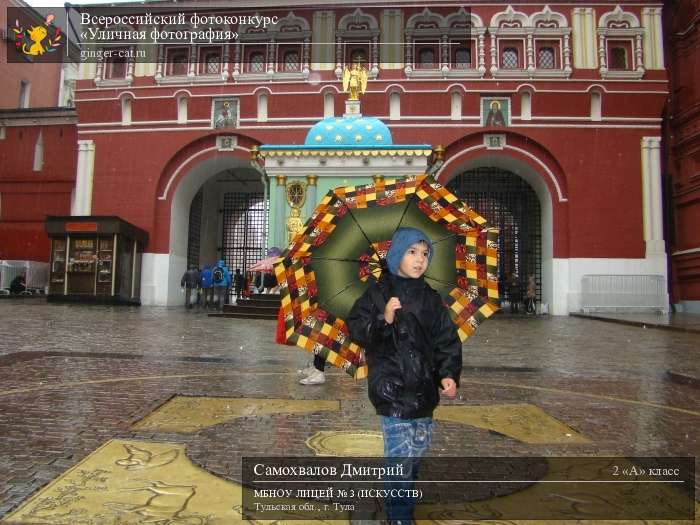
[601,54]
[638,54]
[271,57]
[408,66]
[280,227]
[530,54]
[236,60]
[192,70]
[82,203]
[494,58]
[374,50]
[482,55]
[338,58]
[567,54]
[159,62]
[652,197]
[225,62]
[305,52]
[444,57]
[310,204]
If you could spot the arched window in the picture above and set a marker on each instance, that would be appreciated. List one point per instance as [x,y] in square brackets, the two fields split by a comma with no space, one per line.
[116,68]
[257,62]
[596,105]
[618,58]
[358,55]
[328,105]
[426,58]
[177,61]
[262,107]
[463,58]
[545,58]
[509,58]
[210,60]
[182,109]
[395,106]
[291,61]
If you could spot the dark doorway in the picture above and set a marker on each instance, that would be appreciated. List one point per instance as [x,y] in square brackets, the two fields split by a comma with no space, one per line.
[244,225]
[509,203]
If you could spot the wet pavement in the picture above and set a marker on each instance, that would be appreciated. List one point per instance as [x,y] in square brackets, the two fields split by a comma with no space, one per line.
[73,378]
[683,322]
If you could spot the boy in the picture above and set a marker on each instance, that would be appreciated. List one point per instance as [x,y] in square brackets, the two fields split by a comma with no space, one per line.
[412,348]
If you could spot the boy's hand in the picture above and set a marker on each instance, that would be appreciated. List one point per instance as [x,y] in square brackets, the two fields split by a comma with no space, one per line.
[449,387]
[392,305]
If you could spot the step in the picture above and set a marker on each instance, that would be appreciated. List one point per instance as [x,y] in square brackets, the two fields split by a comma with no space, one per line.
[258,302]
[266,297]
[267,310]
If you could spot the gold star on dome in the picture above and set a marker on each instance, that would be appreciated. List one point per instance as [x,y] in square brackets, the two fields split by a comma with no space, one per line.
[329,127]
[378,137]
[368,127]
[348,127]
[318,138]
[338,138]
[358,138]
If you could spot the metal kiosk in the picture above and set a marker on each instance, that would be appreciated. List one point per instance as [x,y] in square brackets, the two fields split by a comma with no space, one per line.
[95,259]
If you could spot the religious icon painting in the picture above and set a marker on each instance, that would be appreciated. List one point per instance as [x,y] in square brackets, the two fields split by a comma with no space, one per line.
[495,112]
[224,113]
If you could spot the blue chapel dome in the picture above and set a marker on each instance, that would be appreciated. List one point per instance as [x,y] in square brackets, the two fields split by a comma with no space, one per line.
[355,132]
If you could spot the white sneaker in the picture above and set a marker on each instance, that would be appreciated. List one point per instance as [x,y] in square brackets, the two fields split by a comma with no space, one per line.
[306,371]
[314,378]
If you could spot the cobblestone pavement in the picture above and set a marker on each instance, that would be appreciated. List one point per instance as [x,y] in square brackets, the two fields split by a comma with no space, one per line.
[73,377]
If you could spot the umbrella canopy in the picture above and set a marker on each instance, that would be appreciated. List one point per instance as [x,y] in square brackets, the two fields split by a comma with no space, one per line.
[333,259]
[264,265]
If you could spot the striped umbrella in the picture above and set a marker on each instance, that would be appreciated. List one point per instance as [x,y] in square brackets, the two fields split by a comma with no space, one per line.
[331,262]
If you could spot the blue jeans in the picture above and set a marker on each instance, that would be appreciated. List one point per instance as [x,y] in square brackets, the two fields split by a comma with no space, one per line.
[409,440]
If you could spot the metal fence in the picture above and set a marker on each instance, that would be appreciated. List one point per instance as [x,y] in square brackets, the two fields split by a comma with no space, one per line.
[37,275]
[623,292]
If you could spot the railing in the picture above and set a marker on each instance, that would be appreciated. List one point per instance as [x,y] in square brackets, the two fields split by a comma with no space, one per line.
[623,292]
[36,275]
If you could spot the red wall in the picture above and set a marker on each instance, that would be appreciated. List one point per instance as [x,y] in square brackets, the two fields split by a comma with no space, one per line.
[28,196]
[682,136]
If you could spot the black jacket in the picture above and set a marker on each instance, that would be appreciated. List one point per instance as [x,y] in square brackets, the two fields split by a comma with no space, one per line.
[407,359]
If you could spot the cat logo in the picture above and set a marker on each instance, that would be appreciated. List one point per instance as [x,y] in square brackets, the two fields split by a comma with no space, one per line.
[37,40]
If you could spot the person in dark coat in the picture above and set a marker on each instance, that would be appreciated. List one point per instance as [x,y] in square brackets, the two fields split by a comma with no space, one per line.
[206,284]
[19,284]
[190,283]
[413,352]
[515,293]
[238,283]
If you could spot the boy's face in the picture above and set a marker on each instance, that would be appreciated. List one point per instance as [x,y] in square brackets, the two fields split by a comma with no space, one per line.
[415,261]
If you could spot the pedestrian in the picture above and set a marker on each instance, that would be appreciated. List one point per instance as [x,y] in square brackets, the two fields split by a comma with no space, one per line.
[190,283]
[414,356]
[206,284]
[238,283]
[19,284]
[514,293]
[269,282]
[221,279]
[313,374]
[531,294]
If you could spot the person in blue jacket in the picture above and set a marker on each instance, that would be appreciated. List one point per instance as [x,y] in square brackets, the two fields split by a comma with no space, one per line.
[221,278]
[206,283]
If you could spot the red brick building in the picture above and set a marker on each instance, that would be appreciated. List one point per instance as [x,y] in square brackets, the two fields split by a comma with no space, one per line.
[551,118]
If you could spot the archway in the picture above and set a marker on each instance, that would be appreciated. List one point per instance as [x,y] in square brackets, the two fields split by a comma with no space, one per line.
[510,204]
[480,165]
[199,193]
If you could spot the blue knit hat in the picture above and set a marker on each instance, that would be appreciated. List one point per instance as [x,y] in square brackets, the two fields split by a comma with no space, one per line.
[401,241]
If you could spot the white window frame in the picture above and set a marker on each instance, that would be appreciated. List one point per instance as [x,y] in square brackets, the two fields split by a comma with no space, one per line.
[620,25]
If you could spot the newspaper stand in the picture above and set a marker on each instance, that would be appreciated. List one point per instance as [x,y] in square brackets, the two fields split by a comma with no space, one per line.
[95,259]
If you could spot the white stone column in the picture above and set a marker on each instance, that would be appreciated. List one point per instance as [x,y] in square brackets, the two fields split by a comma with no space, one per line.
[82,204]
[652,197]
